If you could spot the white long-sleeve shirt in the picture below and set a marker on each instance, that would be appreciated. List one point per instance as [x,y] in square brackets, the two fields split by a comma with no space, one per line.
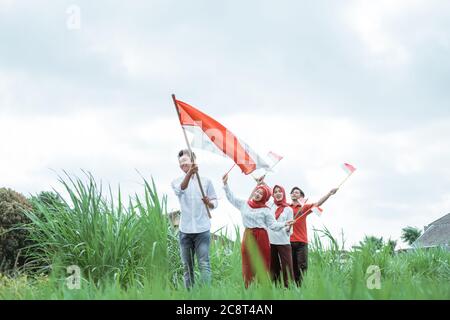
[283,236]
[253,218]
[194,217]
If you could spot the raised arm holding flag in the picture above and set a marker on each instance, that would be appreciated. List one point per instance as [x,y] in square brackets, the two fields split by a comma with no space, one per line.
[204,198]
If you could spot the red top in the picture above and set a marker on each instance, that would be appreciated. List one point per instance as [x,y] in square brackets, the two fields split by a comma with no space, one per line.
[299,228]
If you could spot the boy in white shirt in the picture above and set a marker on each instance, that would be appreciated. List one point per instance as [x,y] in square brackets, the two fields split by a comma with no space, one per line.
[195,224]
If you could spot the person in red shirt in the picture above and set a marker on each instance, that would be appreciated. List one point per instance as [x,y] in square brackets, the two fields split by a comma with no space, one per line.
[299,237]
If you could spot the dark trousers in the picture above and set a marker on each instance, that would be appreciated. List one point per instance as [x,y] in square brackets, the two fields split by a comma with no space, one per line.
[281,262]
[299,260]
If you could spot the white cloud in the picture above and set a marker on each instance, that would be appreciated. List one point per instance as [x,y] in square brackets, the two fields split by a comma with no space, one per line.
[374,22]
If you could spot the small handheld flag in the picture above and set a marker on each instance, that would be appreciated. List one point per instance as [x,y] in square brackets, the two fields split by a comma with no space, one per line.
[272,159]
[317,210]
[349,169]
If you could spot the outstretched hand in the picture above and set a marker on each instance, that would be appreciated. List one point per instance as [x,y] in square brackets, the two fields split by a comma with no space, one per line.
[333,191]
[289,223]
[260,180]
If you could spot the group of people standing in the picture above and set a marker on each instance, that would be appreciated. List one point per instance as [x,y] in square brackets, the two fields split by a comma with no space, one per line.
[275,228]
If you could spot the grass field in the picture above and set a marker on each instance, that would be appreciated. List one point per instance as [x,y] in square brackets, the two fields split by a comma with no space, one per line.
[126,249]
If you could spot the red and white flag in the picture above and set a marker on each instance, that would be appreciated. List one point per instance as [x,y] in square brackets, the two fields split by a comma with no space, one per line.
[348,168]
[273,158]
[317,210]
[210,135]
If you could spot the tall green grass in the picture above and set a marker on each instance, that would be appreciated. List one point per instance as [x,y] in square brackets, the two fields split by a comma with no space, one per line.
[109,239]
[126,249]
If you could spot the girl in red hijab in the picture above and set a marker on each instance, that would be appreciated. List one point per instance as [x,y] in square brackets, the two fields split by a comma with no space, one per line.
[257,218]
[280,244]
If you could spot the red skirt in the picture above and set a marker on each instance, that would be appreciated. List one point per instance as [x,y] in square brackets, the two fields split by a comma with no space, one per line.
[261,239]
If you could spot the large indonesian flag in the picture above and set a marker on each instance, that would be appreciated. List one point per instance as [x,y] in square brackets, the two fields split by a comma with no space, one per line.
[213,136]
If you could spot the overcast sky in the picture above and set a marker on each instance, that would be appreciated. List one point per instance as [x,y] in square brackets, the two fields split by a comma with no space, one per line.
[319,82]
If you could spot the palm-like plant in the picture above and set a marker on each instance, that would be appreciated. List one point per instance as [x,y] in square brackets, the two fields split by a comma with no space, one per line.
[410,234]
[370,242]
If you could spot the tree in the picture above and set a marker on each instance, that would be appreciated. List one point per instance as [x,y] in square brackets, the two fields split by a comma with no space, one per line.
[375,244]
[371,243]
[410,234]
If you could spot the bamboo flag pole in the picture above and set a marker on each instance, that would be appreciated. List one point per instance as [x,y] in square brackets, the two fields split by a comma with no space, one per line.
[190,151]
[348,168]
[230,169]
[298,215]
[304,203]
[343,181]
[296,219]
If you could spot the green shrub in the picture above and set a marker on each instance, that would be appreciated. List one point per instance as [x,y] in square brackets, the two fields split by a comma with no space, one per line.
[13,238]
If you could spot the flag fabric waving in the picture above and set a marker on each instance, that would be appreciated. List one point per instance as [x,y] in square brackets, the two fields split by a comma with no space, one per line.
[221,140]
[273,158]
[201,141]
[348,168]
[317,210]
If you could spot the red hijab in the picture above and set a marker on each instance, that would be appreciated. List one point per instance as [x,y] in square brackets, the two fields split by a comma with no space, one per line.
[261,203]
[281,204]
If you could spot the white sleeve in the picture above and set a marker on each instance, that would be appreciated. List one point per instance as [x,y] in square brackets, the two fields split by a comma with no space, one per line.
[211,194]
[236,202]
[289,216]
[176,186]
[272,223]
